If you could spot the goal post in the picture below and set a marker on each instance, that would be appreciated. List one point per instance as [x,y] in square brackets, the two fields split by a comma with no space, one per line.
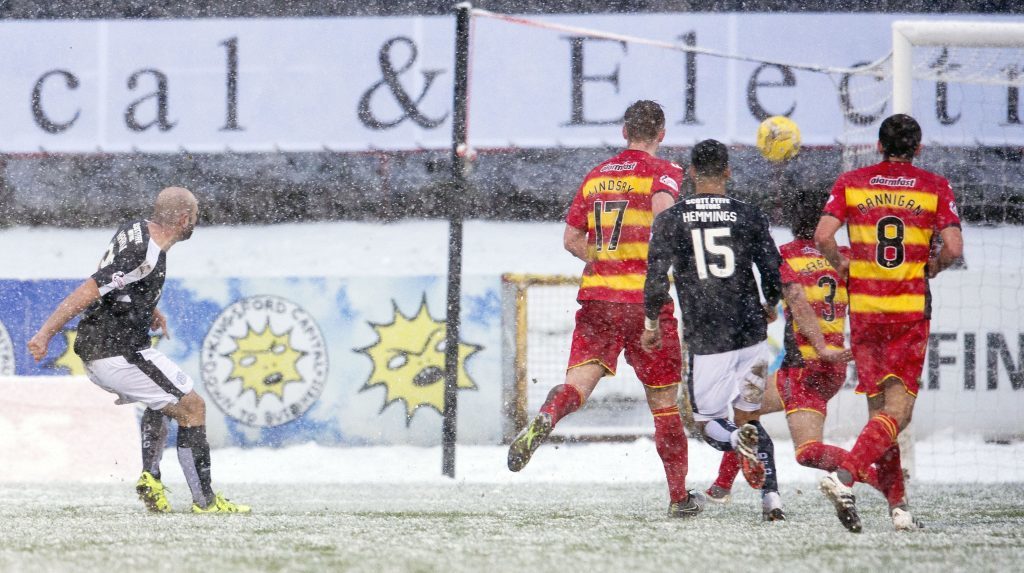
[908,34]
[538,317]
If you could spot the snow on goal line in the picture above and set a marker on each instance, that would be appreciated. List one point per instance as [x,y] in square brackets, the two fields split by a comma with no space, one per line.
[872,68]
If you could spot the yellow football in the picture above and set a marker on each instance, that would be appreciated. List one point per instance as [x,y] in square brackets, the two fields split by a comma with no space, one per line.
[778,138]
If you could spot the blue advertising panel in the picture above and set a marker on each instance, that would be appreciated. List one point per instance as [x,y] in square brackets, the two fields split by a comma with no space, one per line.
[338,361]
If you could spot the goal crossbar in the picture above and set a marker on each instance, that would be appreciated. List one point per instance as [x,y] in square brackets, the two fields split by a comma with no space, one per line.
[906,34]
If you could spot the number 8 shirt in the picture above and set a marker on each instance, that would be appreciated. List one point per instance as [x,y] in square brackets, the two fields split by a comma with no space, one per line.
[892,211]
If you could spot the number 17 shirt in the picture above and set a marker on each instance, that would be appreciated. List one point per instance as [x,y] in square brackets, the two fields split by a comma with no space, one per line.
[891,210]
[613,206]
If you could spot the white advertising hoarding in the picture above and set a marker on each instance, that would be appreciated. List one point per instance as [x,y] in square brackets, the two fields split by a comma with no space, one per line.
[357,84]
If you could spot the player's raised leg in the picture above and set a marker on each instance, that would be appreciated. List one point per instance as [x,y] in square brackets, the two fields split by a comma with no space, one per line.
[562,400]
[149,487]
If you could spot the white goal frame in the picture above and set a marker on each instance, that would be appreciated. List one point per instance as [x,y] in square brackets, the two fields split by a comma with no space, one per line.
[906,34]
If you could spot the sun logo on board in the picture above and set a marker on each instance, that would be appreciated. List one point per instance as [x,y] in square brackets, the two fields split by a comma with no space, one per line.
[408,360]
[264,362]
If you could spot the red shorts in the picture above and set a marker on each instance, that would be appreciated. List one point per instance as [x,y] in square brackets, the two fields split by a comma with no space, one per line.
[809,387]
[885,350]
[604,329]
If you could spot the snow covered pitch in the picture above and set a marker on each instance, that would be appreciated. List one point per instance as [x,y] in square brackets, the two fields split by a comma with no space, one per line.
[455,526]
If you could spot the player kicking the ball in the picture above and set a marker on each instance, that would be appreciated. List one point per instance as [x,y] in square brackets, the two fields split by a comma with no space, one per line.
[608,227]
[119,301]
[712,243]
[892,211]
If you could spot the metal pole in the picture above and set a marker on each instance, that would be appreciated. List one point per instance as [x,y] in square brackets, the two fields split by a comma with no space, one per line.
[455,200]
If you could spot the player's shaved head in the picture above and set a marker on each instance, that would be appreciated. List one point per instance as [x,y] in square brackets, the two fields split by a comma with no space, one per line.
[710,158]
[644,121]
[171,203]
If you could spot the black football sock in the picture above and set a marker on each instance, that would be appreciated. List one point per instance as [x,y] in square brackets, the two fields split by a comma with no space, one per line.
[194,456]
[718,433]
[766,453]
[154,436]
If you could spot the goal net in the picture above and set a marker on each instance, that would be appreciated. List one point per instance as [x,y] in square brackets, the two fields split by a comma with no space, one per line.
[961,80]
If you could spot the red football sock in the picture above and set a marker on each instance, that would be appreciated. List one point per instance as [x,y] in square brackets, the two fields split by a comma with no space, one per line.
[890,476]
[671,444]
[727,470]
[878,435]
[815,454]
[829,458]
[563,400]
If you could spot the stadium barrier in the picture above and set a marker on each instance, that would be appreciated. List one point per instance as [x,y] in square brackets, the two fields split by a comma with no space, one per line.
[60,428]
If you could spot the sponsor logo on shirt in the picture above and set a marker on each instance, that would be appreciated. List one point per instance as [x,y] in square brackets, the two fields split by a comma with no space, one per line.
[952,208]
[669,182]
[616,167]
[904,182]
[264,361]
[118,280]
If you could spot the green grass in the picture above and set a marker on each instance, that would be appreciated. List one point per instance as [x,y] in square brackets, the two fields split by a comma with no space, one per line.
[549,527]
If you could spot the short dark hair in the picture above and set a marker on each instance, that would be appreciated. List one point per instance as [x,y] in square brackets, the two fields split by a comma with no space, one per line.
[899,135]
[710,158]
[805,211]
[644,119]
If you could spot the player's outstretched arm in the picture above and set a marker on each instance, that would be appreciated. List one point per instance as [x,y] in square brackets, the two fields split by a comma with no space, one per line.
[807,323]
[659,261]
[86,293]
[825,240]
[952,251]
[575,241]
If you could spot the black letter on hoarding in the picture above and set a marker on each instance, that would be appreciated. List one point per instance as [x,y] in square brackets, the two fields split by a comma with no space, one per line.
[577,77]
[71,82]
[935,359]
[941,66]
[754,105]
[409,106]
[161,102]
[846,102]
[997,349]
[1012,96]
[231,122]
[690,99]
[970,360]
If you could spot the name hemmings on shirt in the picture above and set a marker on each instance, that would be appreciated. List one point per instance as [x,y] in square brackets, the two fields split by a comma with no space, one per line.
[708,210]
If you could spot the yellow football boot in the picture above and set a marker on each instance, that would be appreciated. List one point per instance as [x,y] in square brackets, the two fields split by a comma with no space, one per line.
[221,505]
[152,493]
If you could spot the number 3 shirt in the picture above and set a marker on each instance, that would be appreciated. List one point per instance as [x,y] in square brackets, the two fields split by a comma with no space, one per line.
[712,243]
[130,279]
[613,205]
[825,291]
[892,210]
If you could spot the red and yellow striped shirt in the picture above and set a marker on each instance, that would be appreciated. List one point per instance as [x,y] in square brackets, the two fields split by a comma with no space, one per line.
[613,205]
[892,210]
[804,265]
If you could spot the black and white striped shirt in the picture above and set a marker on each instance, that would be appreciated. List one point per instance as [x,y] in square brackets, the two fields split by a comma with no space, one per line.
[130,278]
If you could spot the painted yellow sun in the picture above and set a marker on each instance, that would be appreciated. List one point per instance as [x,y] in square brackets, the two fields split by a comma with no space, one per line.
[264,362]
[69,359]
[408,360]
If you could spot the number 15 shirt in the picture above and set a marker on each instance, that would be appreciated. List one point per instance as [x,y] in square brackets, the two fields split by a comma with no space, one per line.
[891,210]
[712,243]
[613,205]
